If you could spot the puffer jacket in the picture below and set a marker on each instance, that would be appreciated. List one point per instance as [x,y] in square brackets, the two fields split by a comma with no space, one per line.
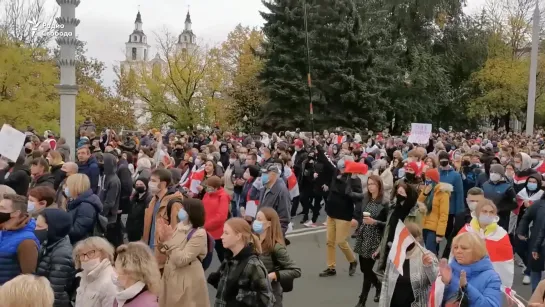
[84,211]
[437,219]
[55,259]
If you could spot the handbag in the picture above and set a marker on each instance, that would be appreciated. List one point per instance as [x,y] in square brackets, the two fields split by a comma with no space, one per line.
[285,283]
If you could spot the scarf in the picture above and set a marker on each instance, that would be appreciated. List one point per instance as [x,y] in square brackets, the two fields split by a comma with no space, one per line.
[129,293]
[429,198]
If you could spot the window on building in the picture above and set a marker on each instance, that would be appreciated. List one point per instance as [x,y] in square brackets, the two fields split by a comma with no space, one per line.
[145,39]
[185,39]
[135,38]
[145,54]
[134,54]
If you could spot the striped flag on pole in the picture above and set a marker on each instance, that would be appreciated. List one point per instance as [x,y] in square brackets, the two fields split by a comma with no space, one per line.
[435,298]
[398,252]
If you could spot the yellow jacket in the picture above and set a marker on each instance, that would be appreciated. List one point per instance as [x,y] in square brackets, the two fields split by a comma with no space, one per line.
[436,220]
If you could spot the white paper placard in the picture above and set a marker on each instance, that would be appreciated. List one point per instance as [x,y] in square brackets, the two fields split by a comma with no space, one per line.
[420,133]
[251,209]
[11,142]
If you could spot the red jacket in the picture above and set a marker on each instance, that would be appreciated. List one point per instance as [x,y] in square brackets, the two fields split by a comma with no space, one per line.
[216,208]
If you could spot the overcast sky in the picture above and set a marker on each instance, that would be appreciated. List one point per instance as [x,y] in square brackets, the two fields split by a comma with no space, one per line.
[106,24]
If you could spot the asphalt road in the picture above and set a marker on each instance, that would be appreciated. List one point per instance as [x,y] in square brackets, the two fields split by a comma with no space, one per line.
[308,250]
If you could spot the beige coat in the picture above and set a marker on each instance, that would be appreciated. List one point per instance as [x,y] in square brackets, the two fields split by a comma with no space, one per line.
[184,282]
[96,289]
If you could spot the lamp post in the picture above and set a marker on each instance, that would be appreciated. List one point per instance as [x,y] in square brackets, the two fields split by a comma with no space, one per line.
[530,111]
[67,61]
[309,79]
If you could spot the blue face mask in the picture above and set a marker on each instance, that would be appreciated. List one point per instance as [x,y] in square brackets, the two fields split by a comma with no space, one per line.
[182,215]
[340,164]
[257,226]
[30,206]
[428,182]
[531,186]
[67,192]
[265,178]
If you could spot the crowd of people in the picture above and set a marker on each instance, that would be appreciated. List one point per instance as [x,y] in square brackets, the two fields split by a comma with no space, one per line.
[136,218]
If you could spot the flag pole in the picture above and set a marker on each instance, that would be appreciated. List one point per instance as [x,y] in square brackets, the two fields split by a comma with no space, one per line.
[309,79]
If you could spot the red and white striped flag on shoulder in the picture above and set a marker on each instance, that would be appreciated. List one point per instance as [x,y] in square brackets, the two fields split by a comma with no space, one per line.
[398,251]
[435,298]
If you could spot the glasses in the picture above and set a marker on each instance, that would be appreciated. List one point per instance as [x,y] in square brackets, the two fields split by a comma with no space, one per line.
[89,255]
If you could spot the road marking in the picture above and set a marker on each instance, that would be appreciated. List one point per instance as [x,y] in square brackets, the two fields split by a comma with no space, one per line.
[306,229]
[304,233]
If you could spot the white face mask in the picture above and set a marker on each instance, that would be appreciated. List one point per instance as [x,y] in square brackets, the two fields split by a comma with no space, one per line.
[472,205]
[153,187]
[90,265]
[495,177]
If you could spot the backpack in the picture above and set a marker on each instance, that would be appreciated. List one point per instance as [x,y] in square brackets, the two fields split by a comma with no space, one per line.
[210,244]
[101,224]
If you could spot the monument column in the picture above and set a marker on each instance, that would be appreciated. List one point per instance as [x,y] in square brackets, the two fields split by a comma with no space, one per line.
[67,63]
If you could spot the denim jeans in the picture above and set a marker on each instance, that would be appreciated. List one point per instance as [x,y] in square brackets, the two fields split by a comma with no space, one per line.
[535,278]
[430,240]
[235,205]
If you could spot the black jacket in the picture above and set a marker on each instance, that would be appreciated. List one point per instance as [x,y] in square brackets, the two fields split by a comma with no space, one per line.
[125,179]
[110,190]
[135,219]
[18,179]
[84,211]
[55,259]
[58,174]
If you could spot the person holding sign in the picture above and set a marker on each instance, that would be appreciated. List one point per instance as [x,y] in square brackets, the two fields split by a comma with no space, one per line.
[216,207]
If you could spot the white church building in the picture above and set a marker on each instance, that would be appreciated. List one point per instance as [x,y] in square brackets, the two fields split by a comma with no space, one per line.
[137,53]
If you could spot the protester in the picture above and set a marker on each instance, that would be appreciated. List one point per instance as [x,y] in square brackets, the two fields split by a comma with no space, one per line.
[94,256]
[139,202]
[88,165]
[28,291]
[136,276]
[216,206]
[84,207]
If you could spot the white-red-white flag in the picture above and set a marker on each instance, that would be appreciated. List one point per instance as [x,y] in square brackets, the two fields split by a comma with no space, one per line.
[398,251]
[435,299]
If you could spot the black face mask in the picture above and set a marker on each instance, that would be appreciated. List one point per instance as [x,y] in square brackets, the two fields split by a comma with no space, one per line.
[410,176]
[101,167]
[443,163]
[140,189]
[4,217]
[41,235]
[400,198]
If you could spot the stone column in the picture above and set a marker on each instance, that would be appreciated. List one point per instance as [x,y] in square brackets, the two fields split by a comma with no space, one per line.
[67,63]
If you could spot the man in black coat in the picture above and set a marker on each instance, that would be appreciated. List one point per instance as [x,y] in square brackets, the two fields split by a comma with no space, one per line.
[16,176]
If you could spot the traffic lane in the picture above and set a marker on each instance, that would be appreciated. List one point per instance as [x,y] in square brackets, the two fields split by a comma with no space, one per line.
[308,249]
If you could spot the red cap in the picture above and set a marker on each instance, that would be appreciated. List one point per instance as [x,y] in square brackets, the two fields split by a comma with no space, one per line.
[355,168]
[433,174]
[414,166]
[298,143]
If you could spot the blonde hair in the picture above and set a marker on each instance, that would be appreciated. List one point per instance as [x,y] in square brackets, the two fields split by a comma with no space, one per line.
[483,203]
[137,261]
[4,189]
[240,225]
[476,243]
[99,244]
[56,158]
[77,184]
[27,291]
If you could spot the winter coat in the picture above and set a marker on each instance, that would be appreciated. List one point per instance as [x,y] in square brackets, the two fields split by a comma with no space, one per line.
[278,198]
[483,283]
[96,288]
[45,180]
[183,281]
[422,277]
[17,178]
[84,211]
[110,189]
[161,214]
[457,196]
[135,219]
[532,226]
[502,194]
[143,298]
[436,219]
[91,169]
[251,288]
[55,259]
[216,207]
[58,174]
[284,267]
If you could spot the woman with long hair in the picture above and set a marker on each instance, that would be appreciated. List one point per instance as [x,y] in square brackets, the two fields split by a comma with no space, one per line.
[242,279]
[274,255]
[371,215]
